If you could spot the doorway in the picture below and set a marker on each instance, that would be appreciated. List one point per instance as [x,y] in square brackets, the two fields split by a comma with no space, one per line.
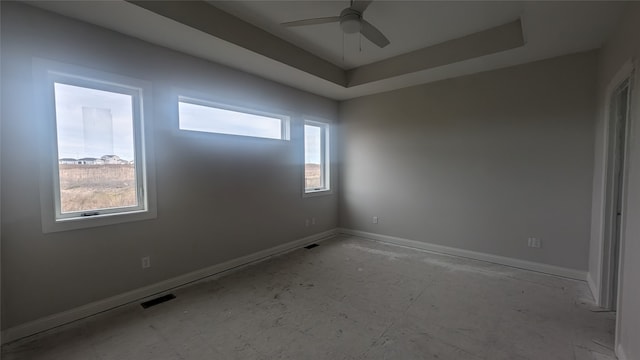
[616,169]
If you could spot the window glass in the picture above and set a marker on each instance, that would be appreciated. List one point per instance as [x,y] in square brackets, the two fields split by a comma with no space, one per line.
[96,152]
[316,155]
[212,119]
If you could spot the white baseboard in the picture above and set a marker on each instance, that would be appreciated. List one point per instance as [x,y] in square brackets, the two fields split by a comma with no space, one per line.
[594,289]
[55,320]
[503,260]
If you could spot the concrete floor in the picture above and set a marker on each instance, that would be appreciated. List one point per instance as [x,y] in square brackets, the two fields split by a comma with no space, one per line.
[349,298]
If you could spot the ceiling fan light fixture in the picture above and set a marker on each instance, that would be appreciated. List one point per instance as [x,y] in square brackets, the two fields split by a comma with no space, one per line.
[351,24]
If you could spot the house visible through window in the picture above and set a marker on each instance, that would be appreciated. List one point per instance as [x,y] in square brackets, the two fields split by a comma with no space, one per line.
[316,157]
[197,115]
[98,135]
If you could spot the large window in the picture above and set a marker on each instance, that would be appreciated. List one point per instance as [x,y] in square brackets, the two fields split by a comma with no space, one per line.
[94,122]
[316,157]
[95,128]
[198,115]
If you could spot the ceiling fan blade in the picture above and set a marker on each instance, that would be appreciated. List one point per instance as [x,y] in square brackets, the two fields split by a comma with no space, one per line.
[360,5]
[374,35]
[314,21]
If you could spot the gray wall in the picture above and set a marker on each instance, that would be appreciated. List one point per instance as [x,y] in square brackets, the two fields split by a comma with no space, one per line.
[219,197]
[623,45]
[480,162]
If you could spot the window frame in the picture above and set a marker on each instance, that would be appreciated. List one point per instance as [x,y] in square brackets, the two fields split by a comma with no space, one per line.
[285,120]
[325,159]
[136,98]
[46,74]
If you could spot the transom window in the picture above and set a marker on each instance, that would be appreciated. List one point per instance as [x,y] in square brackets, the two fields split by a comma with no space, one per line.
[204,116]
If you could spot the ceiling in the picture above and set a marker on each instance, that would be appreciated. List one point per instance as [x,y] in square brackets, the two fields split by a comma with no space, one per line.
[442,39]
[410,25]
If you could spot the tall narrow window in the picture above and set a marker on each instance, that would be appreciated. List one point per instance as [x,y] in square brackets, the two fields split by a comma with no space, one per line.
[316,157]
[98,138]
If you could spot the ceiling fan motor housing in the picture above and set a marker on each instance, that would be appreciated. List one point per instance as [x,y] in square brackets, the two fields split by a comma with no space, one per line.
[350,21]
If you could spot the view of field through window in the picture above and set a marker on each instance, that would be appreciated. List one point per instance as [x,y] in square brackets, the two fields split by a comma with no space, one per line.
[95,149]
[313,178]
[95,187]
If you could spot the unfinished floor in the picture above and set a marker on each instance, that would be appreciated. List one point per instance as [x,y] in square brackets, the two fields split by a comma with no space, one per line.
[349,298]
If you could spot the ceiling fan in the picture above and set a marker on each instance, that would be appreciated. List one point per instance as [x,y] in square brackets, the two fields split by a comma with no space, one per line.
[351,21]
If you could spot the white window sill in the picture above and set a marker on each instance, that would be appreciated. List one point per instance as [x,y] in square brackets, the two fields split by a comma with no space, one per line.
[97,220]
[314,193]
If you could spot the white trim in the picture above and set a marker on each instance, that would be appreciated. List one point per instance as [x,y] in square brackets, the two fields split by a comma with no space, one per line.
[136,125]
[325,144]
[634,116]
[65,317]
[593,288]
[625,70]
[45,74]
[605,212]
[502,260]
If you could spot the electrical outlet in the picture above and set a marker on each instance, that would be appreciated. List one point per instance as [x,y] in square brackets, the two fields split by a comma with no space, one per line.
[313,221]
[146,262]
[375,220]
[306,222]
[534,242]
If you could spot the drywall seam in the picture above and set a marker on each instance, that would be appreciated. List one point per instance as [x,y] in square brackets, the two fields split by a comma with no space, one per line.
[502,260]
[595,292]
[59,319]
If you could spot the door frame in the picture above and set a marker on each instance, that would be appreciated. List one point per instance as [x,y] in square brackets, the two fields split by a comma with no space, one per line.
[608,251]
